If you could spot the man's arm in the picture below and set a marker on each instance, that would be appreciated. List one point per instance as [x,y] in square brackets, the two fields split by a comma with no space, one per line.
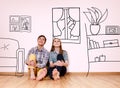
[27,58]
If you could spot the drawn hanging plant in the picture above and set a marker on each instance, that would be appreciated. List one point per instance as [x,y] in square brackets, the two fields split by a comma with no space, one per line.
[95,17]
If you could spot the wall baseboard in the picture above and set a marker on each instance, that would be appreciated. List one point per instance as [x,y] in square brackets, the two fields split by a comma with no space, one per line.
[69,73]
[10,74]
[95,73]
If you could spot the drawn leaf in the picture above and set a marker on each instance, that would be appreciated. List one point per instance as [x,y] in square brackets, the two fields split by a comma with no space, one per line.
[93,16]
[104,16]
[99,14]
[88,15]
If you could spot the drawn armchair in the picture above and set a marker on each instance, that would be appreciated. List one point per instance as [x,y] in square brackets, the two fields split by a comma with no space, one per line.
[11,56]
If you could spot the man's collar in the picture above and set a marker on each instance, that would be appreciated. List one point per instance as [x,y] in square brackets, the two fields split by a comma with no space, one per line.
[42,49]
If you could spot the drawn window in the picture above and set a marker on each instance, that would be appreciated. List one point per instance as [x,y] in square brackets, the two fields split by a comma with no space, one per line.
[66,24]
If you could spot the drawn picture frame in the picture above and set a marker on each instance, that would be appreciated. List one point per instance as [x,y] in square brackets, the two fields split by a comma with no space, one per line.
[19,23]
[112,30]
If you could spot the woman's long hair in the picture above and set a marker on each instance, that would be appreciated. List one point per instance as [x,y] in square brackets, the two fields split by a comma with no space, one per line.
[53,47]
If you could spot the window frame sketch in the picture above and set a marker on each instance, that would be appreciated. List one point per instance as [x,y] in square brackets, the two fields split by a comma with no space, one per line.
[66,24]
[20,23]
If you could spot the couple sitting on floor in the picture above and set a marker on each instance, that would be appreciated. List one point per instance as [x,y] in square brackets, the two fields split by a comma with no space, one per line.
[42,63]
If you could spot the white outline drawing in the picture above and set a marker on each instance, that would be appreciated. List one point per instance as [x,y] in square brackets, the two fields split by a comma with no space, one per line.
[20,23]
[10,51]
[66,24]
[94,45]
[95,17]
[112,29]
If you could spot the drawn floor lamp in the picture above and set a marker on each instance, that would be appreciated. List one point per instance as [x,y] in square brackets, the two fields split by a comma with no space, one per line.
[66,24]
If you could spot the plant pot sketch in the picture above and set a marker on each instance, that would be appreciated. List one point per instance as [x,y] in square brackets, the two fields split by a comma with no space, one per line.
[95,17]
[94,29]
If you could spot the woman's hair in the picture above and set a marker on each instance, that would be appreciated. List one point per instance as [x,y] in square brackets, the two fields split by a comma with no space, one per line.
[53,48]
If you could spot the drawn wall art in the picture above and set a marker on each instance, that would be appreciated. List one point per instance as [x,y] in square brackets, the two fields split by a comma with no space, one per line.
[66,24]
[95,17]
[20,23]
[112,29]
[12,56]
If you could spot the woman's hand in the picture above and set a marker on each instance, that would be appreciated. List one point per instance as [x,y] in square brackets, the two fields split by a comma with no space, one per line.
[59,63]
[62,63]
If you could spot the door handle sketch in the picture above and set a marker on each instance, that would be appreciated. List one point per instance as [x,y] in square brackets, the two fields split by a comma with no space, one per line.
[66,24]
[11,55]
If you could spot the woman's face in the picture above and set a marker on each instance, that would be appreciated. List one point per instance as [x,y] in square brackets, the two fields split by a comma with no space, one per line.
[56,42]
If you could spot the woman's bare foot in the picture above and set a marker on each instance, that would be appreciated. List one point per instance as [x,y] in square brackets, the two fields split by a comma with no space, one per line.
[55,74]
[41,74]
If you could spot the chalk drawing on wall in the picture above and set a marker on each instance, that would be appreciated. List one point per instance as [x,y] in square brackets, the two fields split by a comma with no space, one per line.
[20,23]
[11,55]
[101,46]
[66,24]
[101,42]
[95,17]
[112,29]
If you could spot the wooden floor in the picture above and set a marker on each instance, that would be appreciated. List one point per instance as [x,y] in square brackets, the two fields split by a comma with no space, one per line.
[77,80]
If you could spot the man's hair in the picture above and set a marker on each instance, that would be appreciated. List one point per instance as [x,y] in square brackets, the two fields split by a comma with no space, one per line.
[42,36]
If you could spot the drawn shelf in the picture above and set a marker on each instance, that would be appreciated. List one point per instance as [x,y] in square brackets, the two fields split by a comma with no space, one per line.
[103,52]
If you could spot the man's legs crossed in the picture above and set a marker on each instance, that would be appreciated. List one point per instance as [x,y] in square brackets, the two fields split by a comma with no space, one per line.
[41,73]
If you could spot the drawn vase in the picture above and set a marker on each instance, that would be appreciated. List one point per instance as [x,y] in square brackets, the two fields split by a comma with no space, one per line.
[94,29]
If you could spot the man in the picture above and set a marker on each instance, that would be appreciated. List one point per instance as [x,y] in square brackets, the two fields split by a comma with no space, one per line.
[41,57]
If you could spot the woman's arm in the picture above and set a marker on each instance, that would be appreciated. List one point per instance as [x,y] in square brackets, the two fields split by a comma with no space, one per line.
[65,63]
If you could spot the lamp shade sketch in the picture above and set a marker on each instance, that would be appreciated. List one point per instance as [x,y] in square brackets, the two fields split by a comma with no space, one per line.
[66,24]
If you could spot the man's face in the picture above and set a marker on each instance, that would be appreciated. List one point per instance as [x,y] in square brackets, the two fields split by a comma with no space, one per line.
[41,41]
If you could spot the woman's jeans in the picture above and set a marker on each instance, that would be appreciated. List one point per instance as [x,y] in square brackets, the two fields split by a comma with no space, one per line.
[62,69]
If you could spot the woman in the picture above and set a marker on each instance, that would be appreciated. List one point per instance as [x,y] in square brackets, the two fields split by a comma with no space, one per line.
[58,60]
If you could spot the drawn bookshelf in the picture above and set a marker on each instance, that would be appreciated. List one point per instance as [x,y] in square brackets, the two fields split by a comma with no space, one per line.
[103,52]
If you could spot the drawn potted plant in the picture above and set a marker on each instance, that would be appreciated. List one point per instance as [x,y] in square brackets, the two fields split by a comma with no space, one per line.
[95,17]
